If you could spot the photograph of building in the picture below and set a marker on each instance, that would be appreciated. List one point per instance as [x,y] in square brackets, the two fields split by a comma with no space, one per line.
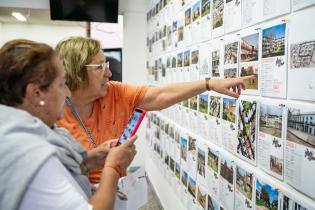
[276,164]
[227,170]
[266,196]
[230,53]
[183,148]
[187,16]
[216,63]
[195,57]
[230,73]
[215,106]
[250,69]
[193,102]
[184,178]
[246,133]
[203,103]
[273,41]
[192,186]
[244,182]
[301,127]
[201,162]
[249,48]
[187,58]
[205,7]
[229,109]
[196,11]
[213,160]
[201,197]
[218,9]
[270,120]
[302,55]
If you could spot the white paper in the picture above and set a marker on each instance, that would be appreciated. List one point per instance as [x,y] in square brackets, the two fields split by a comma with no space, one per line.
[231,51]
[300,148]
[194,66]
[271,139]
[212,173]
[203,122]
[244,189]
[232,15]
[204,61]
[274,61]
[251,12]
[196,21]
[229,124]
[217,18]
[206,20]
[299,4]
[192,157]
[227,169]
[188,27]
[302,56]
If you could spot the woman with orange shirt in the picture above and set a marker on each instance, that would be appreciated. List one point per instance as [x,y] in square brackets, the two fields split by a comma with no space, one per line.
[99,109]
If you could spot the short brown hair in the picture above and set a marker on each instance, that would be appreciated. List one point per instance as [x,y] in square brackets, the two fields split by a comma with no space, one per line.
[74,53]
[23,62]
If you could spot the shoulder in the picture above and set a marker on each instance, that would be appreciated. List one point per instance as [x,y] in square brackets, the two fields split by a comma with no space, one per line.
[53,188]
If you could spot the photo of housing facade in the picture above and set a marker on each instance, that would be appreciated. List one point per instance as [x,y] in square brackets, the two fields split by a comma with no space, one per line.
[229,109]
[192,186]
[302,55]
[205,7]
[212,204]
[180,59]
[183,148]
[201,163]
[213,160]
[230,73]
[194,57]
[301,127]
[214,106]
[218,8]
[247,70]
[216,63]
[184,178]
[203,103]
[246,133]
[276,164]
[201,197]
[273,41]
[230,53]
[266,197]
[249,48]
[193,102]
[244,182]
[187,17]
[270,120]
[187,58]
[196,11]
[227,171]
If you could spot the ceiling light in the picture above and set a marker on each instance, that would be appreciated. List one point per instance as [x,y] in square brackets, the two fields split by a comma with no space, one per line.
[18,16]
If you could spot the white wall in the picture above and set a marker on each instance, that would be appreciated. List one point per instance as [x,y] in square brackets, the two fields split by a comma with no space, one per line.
[50,34]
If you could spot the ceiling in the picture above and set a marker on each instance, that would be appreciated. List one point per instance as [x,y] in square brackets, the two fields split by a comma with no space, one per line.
[34,16]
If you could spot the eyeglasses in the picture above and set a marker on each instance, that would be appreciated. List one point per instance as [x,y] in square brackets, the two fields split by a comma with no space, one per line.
[100,67]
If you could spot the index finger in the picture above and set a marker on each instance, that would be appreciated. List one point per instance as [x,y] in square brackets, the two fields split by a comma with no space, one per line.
[248,77]
[131,140]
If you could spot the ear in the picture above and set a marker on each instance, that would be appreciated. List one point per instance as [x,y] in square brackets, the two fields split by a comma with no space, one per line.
[33,94]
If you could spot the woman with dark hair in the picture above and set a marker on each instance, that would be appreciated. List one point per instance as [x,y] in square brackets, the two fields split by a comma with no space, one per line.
[42,167]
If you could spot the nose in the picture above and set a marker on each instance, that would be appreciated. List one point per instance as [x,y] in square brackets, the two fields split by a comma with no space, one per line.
[107,73]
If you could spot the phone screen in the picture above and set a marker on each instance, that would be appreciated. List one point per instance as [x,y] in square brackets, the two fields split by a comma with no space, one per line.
[132,125]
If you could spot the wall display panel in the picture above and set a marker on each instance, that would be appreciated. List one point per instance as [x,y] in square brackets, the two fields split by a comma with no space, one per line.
[221,126]
[271,137]
[300,4]
[217,18]
[244,189]
[249,58]
[274,61]
[232,15]
[302,56]
[206,20]
[299,153]
[246,129]
[196,20]
[227,176]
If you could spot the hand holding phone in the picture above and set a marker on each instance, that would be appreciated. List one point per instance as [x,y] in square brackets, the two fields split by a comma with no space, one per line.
[132,125]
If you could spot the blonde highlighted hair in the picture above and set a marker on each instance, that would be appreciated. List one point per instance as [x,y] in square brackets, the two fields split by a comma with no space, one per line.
[74,53]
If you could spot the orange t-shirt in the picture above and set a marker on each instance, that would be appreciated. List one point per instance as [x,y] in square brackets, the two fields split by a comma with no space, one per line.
[109,117]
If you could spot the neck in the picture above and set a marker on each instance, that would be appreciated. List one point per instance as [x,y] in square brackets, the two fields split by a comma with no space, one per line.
[83,104]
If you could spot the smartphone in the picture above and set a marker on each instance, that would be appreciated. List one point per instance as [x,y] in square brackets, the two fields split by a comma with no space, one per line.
[132,125]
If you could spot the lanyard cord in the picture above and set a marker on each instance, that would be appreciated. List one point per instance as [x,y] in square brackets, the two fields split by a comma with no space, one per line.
[76,115]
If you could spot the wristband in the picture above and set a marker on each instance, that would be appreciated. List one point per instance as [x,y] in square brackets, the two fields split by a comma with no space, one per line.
[117,169]
[207,83]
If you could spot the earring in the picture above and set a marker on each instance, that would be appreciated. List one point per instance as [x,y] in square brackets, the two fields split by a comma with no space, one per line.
[42,103]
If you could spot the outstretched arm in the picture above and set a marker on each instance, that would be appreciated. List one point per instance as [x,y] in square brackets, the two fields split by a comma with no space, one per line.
[164,96]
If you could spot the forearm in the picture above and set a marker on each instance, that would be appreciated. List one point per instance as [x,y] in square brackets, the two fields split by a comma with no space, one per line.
[104,198]
[164,96]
